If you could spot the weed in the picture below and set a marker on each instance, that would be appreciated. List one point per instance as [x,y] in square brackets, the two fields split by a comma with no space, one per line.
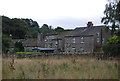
[45,69]
[63,68]
[73,60]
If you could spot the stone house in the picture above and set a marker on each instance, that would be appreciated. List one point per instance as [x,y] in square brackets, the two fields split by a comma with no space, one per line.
[55,41]
[79,43]
[82,39]
[86,39]
[28,44]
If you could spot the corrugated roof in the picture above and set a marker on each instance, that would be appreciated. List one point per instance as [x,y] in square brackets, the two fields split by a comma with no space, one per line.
[45,48]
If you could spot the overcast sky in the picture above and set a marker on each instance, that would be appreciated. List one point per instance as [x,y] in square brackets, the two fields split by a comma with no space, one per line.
[65,13]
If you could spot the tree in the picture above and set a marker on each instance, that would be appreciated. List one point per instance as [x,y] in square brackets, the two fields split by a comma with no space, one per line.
[45,29]
[33,32]
[18,47]
[118,11]
[112,46]
[31,23]
[7,25]
[5,43]
[20,28]
[59,29]
[17,27]
[112,15]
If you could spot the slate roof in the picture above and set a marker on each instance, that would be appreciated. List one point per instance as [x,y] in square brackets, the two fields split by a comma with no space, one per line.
[85,31]
[31,42]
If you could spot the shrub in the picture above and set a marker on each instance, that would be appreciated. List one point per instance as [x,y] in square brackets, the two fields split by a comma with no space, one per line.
[18,47]
[112,46]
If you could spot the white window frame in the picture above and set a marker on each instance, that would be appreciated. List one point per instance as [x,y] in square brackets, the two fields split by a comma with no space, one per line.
[56,42]
[103,40]
[98,40]
[98,34]
[73,49]
[82,40]
[73,40]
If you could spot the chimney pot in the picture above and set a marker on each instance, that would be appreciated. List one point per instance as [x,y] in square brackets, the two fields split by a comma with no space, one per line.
[89,24]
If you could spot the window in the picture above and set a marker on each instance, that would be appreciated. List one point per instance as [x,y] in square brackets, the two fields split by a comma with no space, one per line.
[51,45]
[98,34]
[103,40]
[82,40]
[56,42]
[66,40]
[73,40]
[98,40]
[67,45]
[81,49]
[73,49]
[45,40]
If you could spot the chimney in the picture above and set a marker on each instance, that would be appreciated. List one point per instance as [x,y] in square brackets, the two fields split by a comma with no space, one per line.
[89,24]
[40,39]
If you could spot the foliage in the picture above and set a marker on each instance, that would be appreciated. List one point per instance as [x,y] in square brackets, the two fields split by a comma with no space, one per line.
[16,27]
[59,29]
[114,40]
[52,68]
[33,32]
[18,47]
[31,23]
[5,43]
[112,15]
[118,33]
[112,46]
[45,29]
[22,28]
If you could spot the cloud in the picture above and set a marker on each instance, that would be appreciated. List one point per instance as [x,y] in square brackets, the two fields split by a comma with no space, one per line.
[67,13]
[69,22]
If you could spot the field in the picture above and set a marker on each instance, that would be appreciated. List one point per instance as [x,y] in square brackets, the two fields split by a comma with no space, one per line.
[59,68]
[0,66]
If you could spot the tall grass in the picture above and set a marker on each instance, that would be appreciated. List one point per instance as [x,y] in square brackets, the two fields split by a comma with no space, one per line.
[60,68]
[0,66]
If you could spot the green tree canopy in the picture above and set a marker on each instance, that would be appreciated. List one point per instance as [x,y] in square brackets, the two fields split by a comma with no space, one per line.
[112,15]
[112,46]
[5,43]
[18,47]
[59,29]
[16,27]
[45,29]
[31,23]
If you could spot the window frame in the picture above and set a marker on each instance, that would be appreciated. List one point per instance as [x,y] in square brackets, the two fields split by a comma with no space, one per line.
[82,40]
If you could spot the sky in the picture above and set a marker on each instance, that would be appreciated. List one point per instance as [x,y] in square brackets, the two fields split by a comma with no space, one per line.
[68,14]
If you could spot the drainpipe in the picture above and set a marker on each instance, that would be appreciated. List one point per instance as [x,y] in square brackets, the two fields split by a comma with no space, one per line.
[101,38]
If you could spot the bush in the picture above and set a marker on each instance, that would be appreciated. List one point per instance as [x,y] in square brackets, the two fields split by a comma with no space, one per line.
[18,47]
[112,46]
[5,43]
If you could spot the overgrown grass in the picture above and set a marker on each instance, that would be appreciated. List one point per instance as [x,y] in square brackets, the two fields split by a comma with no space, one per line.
[60,68]
[0,66]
